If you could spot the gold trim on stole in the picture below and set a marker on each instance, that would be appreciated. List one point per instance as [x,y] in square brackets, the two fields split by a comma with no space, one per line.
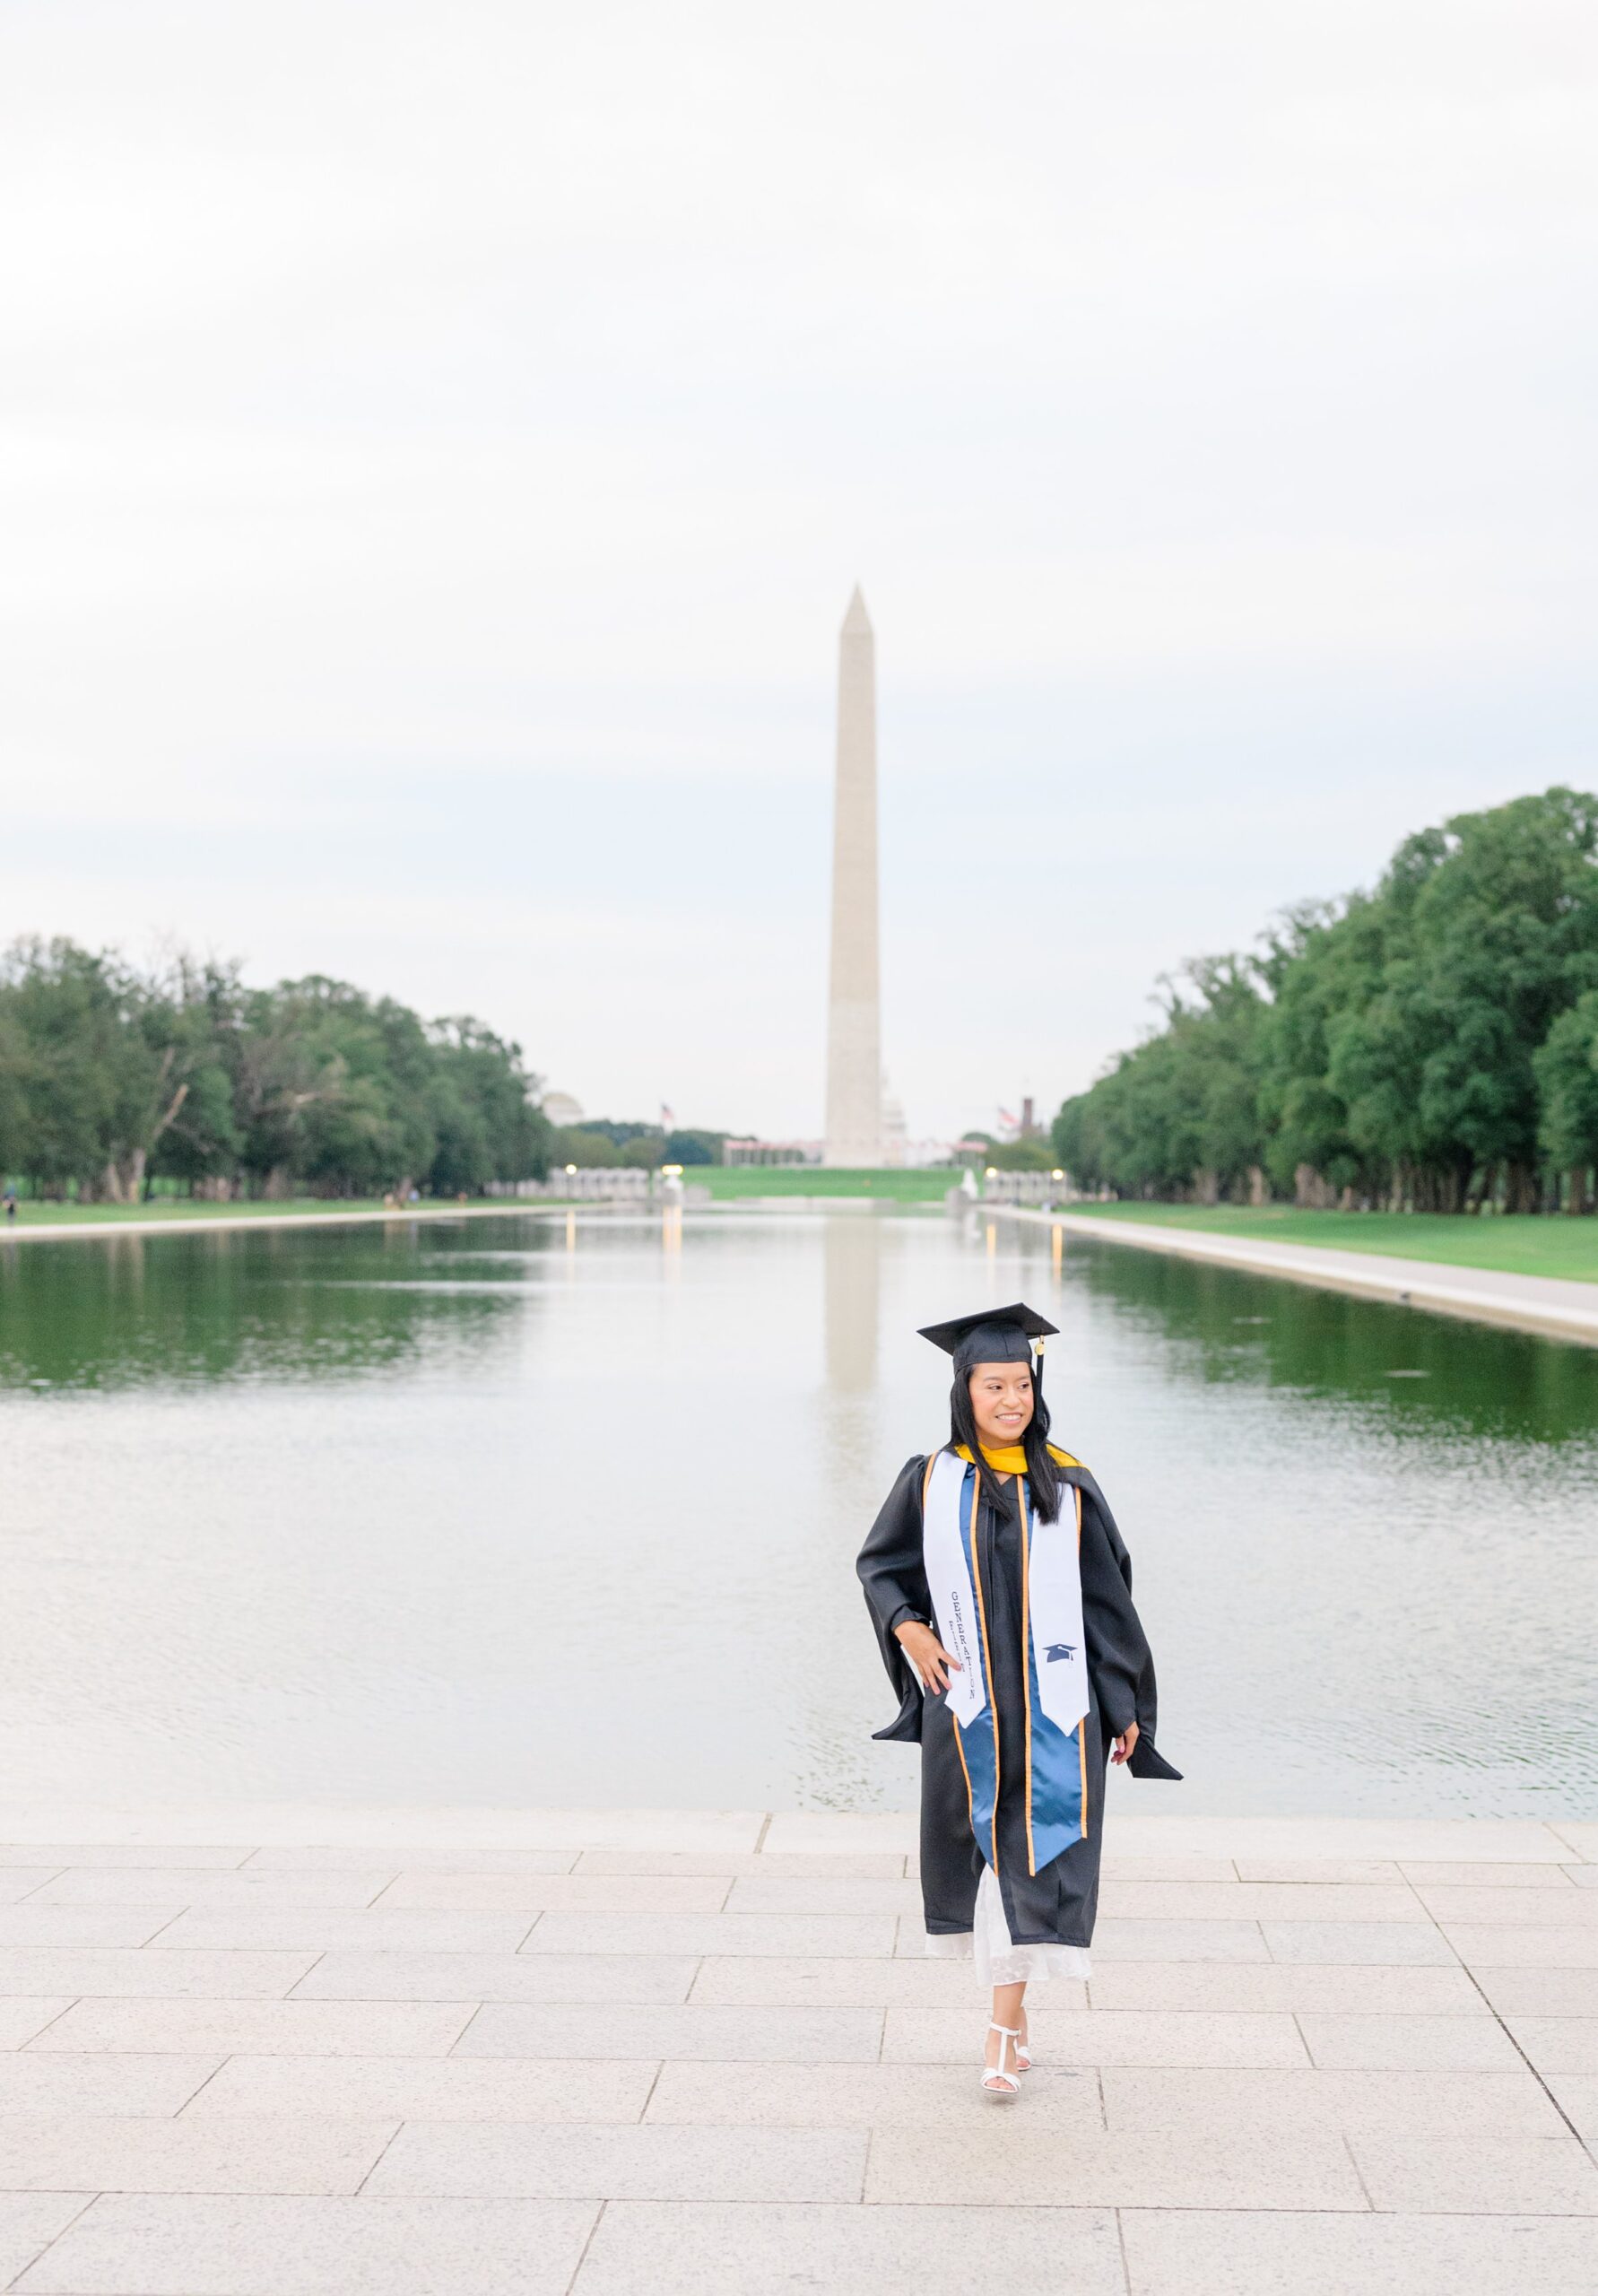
[953,1717]
[1026,1641]
[987,1659]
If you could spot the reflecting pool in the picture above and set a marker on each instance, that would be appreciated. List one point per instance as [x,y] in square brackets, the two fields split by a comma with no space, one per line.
[564,1510]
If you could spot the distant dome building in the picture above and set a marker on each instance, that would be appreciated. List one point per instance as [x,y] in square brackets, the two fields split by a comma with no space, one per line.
[563,1110]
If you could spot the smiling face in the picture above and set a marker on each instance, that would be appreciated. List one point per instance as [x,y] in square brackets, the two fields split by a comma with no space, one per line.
[1001,1402]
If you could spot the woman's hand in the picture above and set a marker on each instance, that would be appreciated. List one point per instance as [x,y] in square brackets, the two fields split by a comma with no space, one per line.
[1125,1742]
[926,1653]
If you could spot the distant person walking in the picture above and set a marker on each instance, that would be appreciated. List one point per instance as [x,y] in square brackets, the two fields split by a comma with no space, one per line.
[1002,1596]
[10,1200]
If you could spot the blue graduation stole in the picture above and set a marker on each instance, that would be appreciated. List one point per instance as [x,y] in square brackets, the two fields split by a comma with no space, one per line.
[1053,1736]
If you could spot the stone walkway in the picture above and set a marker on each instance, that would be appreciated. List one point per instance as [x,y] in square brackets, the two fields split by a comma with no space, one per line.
[1550,1304]
[292,2052]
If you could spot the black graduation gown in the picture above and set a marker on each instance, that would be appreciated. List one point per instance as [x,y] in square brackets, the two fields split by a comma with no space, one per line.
[1056,1905]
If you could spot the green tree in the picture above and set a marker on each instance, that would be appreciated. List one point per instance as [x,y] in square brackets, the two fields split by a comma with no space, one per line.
[1565,1066]
[485,1122]
[110,1075]
[1391,1046]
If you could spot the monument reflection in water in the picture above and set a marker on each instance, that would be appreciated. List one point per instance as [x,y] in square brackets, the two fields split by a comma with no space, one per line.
[526,1511]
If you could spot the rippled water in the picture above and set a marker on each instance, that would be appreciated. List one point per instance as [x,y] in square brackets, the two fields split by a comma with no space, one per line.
[533,1510]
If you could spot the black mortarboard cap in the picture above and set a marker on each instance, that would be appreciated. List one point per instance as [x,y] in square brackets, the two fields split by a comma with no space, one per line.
[992,1336]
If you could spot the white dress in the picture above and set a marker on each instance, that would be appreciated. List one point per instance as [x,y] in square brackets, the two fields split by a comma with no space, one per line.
[999,1961]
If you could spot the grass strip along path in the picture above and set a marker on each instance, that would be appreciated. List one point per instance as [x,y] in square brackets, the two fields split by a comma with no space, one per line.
[725,1186]
[1511,1243]
[177,1210]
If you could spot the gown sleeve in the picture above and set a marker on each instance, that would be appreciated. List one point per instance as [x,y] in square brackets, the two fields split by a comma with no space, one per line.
[1118,1656]
[895,1583]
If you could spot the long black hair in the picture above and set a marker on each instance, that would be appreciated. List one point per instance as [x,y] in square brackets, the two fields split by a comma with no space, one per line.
[1042,1475]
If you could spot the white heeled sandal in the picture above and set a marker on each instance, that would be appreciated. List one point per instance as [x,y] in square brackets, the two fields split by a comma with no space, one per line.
[996,2081]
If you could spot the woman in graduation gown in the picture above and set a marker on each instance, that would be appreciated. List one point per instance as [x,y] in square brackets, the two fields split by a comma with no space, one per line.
[1001,1592]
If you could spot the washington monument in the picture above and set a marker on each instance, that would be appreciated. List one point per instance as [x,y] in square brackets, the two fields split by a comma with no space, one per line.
[854,1022]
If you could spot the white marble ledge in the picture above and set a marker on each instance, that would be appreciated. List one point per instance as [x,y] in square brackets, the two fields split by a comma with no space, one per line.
[430,1831]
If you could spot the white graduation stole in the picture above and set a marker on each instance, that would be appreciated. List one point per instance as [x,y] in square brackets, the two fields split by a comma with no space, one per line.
[1055,1606]
[1056,1671]
[1053,1598]
[949,1581]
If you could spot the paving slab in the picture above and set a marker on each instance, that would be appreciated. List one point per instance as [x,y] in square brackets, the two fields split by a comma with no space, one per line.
[726,2026]
[87,2152]
[990,2164]
[881,1982]
[785,1935]
[127,1885]
[1568,1909]
[1540,1992]
[1484,1840]
[24,1881]
[1389,2043]
[1173,1941]
[437,2088]
[533,1893]
[1576,2095]
[1200,2252]
[775,1865]
[794,1894]
[846,1830]
[1355,1988]
[1113,1867]
[282,2246]
[218,2029]
[499,1977]
[1143,2101]
[415,1857]
[1581,1838]
[1557,2044]
[1259,1902]
[1386,1942]
[1478,2176]
[796,2036]
[35,1924]
[1101,2036]
[23,2020]
[839,2096]
[1468,1873]
[28,2223]
[1524,1945]
[1354,1870]
[632,2162]
[701,2248]
[35,2085]
[39,1970]
[318,1929]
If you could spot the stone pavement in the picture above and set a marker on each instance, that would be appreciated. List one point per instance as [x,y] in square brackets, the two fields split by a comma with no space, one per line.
[1550,1304]
[292,2052]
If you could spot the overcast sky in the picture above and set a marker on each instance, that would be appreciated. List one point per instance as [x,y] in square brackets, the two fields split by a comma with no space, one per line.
[440,442]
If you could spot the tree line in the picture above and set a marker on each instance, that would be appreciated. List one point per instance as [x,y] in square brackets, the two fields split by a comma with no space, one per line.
[114,1078]
[603,1140]
[1430,1046]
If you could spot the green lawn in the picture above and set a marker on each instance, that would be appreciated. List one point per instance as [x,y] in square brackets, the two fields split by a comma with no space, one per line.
[725,1184]
[179,1208]
[728,1182]
[1515,1244]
